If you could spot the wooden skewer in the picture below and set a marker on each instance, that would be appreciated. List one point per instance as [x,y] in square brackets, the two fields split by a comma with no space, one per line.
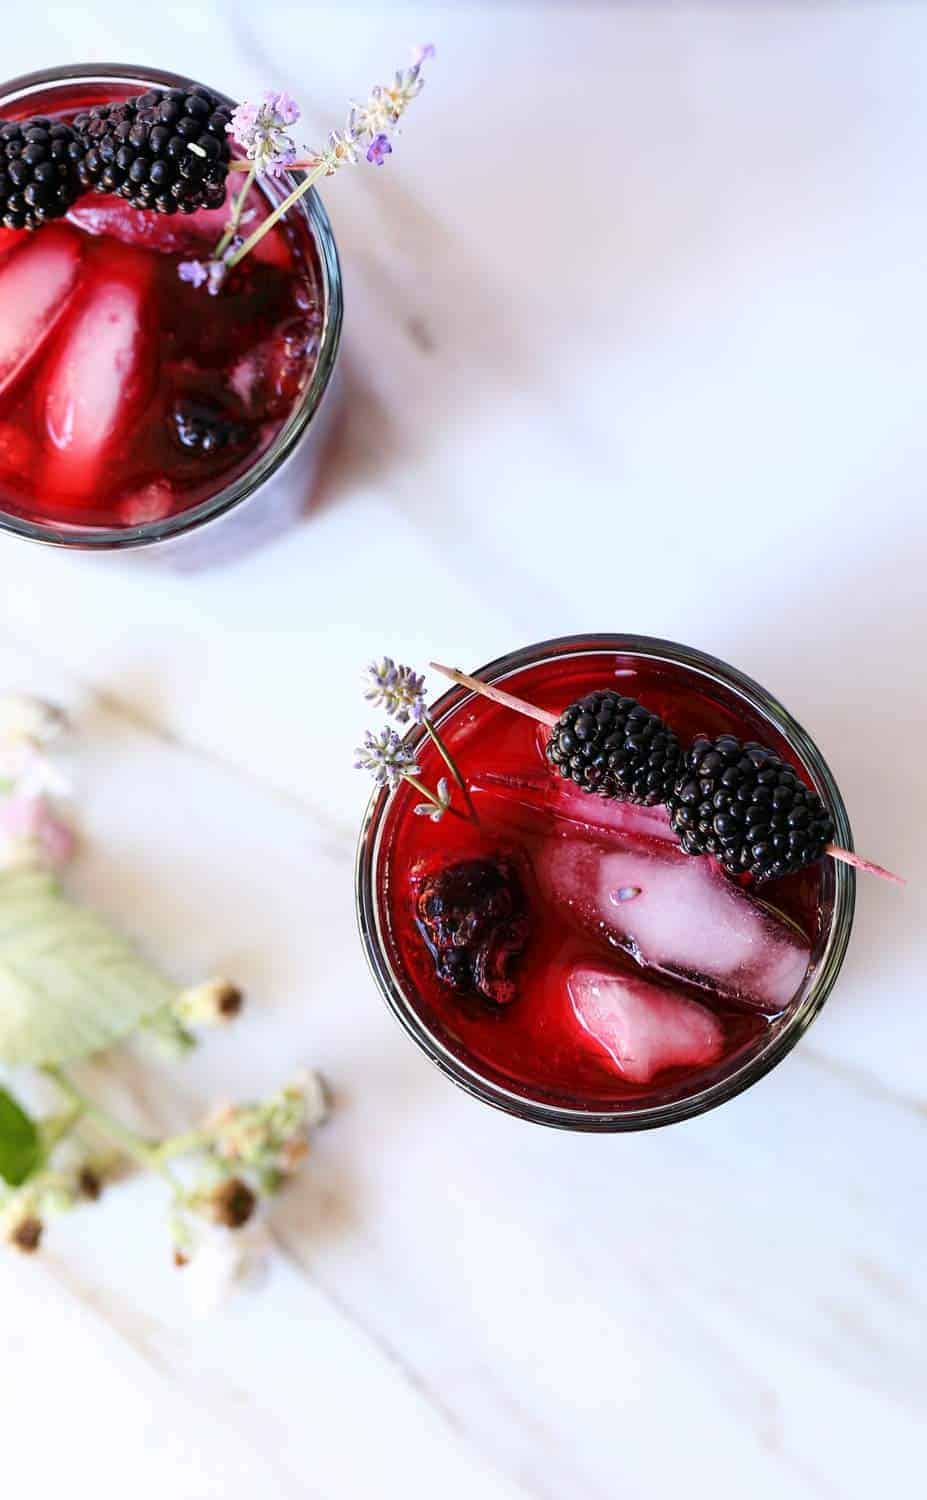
[486,690]
[846,857]
[508,700]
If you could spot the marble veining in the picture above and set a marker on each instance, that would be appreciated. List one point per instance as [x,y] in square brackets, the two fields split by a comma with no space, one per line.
[635,340]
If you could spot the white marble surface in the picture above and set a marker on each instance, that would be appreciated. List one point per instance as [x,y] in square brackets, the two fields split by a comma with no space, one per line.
[636,340]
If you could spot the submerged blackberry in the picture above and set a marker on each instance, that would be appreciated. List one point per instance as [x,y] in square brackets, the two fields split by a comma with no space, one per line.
[200,427]
[38,177]
[742,803]
[166,150]
[473,919]
[613,746]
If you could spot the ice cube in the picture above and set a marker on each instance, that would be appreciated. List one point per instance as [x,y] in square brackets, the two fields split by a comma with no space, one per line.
[153,502]
[541,800]
[102,375]
[171,234]
[16,450]
[644,1028]
[174,234]
[267,379]
[36,283]
[677,914]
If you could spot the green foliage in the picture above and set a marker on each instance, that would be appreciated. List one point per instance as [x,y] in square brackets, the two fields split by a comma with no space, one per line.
[20,1143]
[69,984]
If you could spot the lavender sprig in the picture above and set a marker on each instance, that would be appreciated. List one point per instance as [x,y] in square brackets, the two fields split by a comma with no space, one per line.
[401,692]
[397,689]
[387,759]
[263,132]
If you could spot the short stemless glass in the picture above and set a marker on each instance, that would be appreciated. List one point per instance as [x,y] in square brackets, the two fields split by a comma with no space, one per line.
[740,700]
[273,491]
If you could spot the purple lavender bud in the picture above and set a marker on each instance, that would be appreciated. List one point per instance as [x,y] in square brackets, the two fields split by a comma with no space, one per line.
[193,271]
[378,150]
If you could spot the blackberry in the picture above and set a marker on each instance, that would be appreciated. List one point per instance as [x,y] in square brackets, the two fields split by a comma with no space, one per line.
[472,917]
[743,804]
[166,150]
[38,176]
[202,428]
[613,746]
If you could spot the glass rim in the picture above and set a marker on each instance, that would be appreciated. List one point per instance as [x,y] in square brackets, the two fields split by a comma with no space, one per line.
[818,982]
[117,538]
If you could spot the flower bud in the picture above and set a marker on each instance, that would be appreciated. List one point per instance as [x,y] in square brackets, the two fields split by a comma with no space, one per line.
[25,1233]
[211,1003]
[89,1183]
[232,1203]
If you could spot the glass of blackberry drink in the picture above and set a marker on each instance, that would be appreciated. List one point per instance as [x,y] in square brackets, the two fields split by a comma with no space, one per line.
[134,406]
[622,960]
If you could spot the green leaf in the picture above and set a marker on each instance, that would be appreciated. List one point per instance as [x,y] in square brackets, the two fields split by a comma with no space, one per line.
[20,1143]
[69,984]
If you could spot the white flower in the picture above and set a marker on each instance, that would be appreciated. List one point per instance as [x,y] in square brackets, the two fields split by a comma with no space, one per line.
[32,774]
[23,717]
[316,1100]
[223,1263]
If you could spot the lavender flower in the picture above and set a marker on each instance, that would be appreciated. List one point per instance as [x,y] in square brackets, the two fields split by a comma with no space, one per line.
[436,810]
[386,758]
[193,271]
[260,129]
[378,150]
[209,273]
[342,147]
[397,689]
[369,125]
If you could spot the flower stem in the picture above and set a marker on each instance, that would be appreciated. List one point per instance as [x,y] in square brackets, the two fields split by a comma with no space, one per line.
[146,1153]
[430,796]
[242,165]
[56,1127]
[423,790]
[448,759]
[279,211]
[182,1145]
[238,205]
[444,753]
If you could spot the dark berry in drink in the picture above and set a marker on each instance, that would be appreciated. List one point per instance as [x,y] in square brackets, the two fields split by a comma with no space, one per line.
[472,916]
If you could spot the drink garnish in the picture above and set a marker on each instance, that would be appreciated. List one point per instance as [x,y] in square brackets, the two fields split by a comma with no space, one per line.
[731,844]
[166,150]
[170,150]
[401,692]
[38,175]
[262,131]
[743,804]
[612,745]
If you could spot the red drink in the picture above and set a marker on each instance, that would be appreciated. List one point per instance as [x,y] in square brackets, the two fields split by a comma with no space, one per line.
[133,404]
[649,984]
